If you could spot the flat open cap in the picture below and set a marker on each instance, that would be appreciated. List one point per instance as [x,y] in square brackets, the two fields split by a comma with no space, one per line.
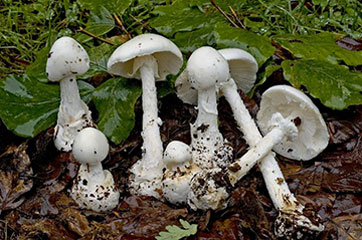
[243,67]
[167,54]
[66,58]
[293,104]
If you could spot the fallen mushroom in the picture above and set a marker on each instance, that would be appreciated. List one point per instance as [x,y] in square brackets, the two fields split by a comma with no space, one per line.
[295,129]
[179,171]
[93,188]
[205,69]
[151,58]
[66,59]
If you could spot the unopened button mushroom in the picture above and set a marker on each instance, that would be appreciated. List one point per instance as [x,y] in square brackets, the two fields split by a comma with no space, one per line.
[148,57]
[66,59]
[179,171]
[93,187]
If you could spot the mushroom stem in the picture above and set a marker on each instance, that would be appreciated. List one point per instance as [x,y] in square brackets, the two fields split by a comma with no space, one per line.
[257,152]
[206,138]
[207,112]
[152,145]
[71,103]
[94,171]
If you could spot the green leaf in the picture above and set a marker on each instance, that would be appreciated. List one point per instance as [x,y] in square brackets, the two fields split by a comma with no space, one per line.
[175,233]
[114,6]
[99,23]
[115,100]
[258,46]
[98,59]
[28,106]
[334,85]
[320,46]
[263,76]
[37,68]
[190,41]
[179,17]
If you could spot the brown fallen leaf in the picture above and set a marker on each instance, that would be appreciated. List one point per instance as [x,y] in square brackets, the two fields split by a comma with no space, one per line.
[44,229]
[15,177]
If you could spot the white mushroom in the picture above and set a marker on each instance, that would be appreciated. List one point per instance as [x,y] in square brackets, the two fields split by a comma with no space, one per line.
[66,59]
[148,57]
[295,128]
[205,69]
[179,172]
[93,187]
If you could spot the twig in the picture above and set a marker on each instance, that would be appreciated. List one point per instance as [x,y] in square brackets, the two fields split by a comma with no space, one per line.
[236,17]
[95,36]
[140,22]
[223,13]
[120,23]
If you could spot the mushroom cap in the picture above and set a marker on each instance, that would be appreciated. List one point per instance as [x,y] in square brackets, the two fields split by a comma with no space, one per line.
[66,58]
[177,154]
[243,67]
[90,146]
[292,104]
[206,67]
[167,54]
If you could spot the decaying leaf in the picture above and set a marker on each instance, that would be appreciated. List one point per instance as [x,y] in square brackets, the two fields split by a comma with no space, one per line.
[15,173]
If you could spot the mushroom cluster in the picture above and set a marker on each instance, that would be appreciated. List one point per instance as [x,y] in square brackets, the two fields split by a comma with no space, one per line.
[202,174]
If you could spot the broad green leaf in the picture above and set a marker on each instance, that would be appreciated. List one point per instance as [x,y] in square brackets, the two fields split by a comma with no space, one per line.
[114,6]
[99,23]
[115,100]
[190,41]
[176,233]
[263,76]
[223,4]
[98,59]
[320,46]
[258,46]
[37,68]
[28,106]
[334,85]
[179,17]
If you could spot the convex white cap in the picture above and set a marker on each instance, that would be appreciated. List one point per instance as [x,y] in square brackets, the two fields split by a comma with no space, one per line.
[292,104]
[90,146]
[167,54]
[177,154]
[242,66]
[66,58]
[206,68]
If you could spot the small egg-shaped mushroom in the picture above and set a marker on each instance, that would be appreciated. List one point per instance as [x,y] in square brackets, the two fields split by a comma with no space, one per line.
[93,188]
[66,59]
[179,172]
